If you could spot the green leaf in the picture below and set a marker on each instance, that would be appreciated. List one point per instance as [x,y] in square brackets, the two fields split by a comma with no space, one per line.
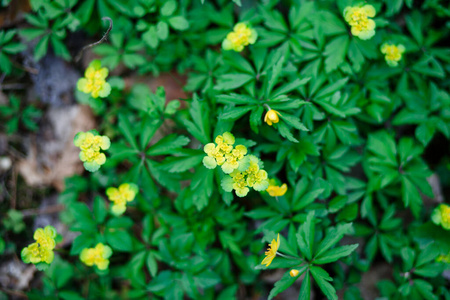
[233,113]
[41,48]
[293,121]
[181,164]
[335,52]
[125,127]
[334,235]
[168,8]
[232,81]
[119,240]
[321,277]
[335,254]
[282,284]
[168,145]
[411,197]
[305,290]
[332,88]
[151,263]
[80,242]
[179,23]
[305,236]
[100,210]
[162,30]
[151,37]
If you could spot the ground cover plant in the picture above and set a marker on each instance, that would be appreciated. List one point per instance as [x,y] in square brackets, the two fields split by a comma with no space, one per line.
[217,149]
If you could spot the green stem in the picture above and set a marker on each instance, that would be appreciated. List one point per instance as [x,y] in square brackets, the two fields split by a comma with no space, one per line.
[287,256]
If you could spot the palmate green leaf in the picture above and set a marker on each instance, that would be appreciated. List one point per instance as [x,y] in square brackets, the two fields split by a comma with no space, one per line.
[321,277]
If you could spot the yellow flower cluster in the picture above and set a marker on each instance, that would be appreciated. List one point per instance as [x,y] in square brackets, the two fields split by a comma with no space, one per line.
[98,256]
[441,216]
[90,144]
[126,192]
[272,117]
[42,250]
[243,170]
[94,81]
[393,53]
[271,251]
[241,36]
[276,191]
[223,154]
[253,176]
[358,18]
[444,258]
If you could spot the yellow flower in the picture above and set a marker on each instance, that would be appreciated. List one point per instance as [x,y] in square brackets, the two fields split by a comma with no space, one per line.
[239,183]
[294,273]
[98,256]
[35,253]
[441,216]
[223,154]
[233,158]
[358,18]
[272,117]
[271,251]
[250,175]
[46,237]
[444,258]
[90,144]
[241,36]
[120,196]
[393,53]
[94,81]
[276,191]
[42,249]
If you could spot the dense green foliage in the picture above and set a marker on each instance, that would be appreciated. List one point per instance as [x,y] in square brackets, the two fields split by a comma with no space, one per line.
[356,142]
